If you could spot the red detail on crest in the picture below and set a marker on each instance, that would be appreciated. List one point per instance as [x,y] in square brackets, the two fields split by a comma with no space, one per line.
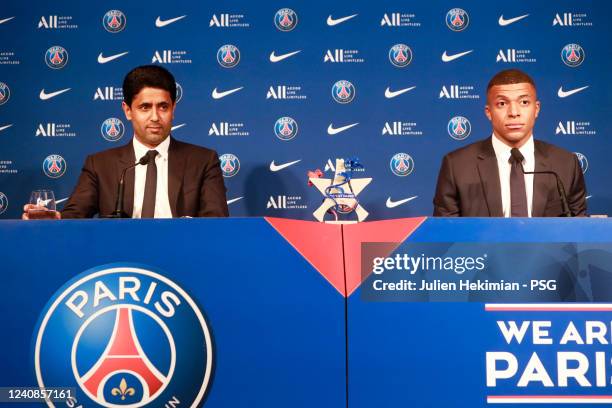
[54,168]
[228,58]
[377,231]
[573,57]
[459,128]
[56,59]
[286,21]
[123,355]
[343,93]
[114,23]
[320,244]
[457,21]
[113,131]
[286,130]
[401,56]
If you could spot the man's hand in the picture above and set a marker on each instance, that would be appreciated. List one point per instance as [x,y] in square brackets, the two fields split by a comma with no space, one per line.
[38,212]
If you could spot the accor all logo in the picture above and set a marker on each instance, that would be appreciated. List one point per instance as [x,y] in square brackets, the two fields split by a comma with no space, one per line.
[450,92]
[564,19]
[221,21]
[277,92]
[336,55]
[162,57]
[220,129]
[278,202]
[508,55]
[566,128]
[108,93]
[391,20]
[392,128]
[46,129]
[49,22]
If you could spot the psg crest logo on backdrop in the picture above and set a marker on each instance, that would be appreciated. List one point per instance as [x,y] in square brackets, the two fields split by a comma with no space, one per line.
[400,55]
[114,21]
[124,336]
[3,202]
[56,57]
[401,164]
[582,160]
[285,128]
[285,19]
[343,92]
[5,93]
[572,55]
[54,166]
[112,129]
[459,128]
[457,19]
[228,56]
[230,165]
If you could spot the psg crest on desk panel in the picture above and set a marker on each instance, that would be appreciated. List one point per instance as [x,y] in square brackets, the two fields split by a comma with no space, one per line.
[124,336]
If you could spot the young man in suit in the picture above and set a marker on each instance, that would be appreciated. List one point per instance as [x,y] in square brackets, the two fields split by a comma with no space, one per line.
[179,180]
[485,179]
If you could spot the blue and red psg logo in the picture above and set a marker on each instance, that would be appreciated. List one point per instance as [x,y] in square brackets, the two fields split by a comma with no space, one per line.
[112,129]
[459,128]
[124,336]
[230,165]
[56,57]
[114,21]
[582,160]
[401,164]
[285,128]
[400,55]
[179,92]
[5,93]
[54,166]
[3,202]
[228,56]
[285,19]
[572,55]
[457,19]
[343,92]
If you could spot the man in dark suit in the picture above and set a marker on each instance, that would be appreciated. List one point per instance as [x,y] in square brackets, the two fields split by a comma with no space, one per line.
[178,180]
[484,179]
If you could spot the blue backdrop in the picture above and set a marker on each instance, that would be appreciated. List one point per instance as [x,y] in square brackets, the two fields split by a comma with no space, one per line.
[47,111]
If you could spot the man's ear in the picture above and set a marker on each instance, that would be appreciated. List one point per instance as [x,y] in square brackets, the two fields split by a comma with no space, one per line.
[487,111]
[126,110]
[537,109]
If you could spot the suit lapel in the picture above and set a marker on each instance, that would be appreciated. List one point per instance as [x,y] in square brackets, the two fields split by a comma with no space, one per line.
[127,157]
[489,178]
[541,182]
[176,169]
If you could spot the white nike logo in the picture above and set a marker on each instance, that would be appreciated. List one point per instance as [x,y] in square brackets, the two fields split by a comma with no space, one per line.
[233,200]
[564,94]
[392,94]
[449,58]
[103,60]
[5,127]
[44,96]
[587,197]
[393,204]
[332,22]
[6,19]
[334,131]
[277,167]
[276,58]
[218,95]
[159,23]
[178,126]
[503,22]
[61,201]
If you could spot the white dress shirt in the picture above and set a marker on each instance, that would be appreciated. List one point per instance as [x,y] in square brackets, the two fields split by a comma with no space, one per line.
[502,152]
[162,203]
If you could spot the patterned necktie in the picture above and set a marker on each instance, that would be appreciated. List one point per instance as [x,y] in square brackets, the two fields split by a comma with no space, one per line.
[148,203]
[518,193]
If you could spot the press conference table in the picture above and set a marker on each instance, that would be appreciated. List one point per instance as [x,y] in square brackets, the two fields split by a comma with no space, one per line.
[287,316]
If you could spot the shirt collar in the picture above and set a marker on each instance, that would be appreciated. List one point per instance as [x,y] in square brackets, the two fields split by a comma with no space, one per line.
[502,150]
[140,149]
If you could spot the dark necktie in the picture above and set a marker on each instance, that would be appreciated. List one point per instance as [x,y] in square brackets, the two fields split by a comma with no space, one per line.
[518,193]
[148,203]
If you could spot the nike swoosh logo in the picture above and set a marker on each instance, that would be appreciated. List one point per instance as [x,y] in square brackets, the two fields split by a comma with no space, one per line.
[564,94]
[277,167]
[332,22]
[218,95]
[392,94]
[393,204]
[178,126]
[276,58]
[449,58]
[503,22]
[334,131]
[233,200]
[587,197]
[159,23]
[6,19]
[44,96]
[62,200]
[103,60]
[5,127]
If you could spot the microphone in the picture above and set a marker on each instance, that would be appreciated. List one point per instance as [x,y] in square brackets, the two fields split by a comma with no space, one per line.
[518,157]
[118,213]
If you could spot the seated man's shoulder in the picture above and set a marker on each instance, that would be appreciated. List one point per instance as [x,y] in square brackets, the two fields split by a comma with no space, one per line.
[470,151]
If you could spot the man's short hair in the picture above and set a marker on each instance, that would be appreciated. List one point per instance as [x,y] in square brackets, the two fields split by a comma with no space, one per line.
[510,76]
[152,76]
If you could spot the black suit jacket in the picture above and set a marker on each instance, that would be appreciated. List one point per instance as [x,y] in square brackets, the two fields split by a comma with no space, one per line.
[195,183]
[468,183]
